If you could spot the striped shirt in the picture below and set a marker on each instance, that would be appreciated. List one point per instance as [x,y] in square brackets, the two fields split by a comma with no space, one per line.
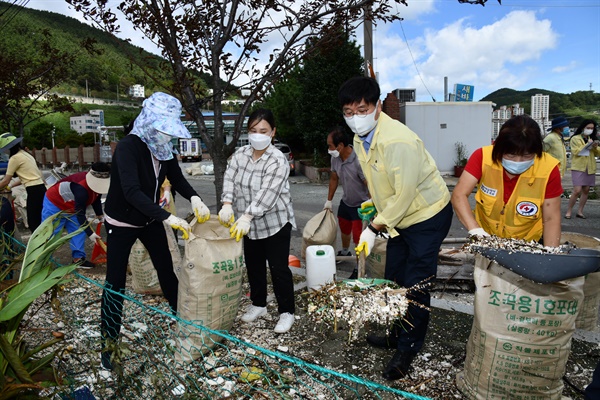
[260,188]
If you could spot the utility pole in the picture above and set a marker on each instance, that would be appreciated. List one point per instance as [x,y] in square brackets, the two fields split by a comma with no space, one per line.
[368,39]
[52,134]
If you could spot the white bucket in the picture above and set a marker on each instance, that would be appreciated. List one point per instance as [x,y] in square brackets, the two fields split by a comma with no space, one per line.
[320,266]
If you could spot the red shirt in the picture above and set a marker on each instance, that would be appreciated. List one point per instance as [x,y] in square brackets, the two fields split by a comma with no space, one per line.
[553,188]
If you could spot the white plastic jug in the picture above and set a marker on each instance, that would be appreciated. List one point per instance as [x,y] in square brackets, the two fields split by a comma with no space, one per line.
[320,266]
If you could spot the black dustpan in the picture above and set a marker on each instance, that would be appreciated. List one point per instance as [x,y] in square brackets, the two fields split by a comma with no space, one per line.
[545,267]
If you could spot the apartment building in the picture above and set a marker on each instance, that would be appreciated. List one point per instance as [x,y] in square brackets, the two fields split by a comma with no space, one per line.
[540,106]
[503,114]
[137,91]
[87,122]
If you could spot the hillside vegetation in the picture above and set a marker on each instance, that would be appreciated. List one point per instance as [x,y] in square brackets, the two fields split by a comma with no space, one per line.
[576,106]
[102,60]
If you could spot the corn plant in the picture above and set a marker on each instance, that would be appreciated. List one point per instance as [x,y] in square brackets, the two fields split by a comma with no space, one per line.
[38,275]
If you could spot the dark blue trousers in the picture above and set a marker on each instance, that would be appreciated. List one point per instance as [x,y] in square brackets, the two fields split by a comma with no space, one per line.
[412,257]
[592,392]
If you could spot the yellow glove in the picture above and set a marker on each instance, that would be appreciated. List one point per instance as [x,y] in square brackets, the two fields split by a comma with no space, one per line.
[366,242]
[200,210]
[181,224]
[367,204]
[241,227]
[226,217]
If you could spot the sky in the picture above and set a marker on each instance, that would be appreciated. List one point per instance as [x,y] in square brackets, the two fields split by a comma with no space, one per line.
[521,45]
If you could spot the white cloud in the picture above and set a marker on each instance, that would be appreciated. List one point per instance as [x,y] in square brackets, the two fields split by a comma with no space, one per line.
[565,68]
[489,57]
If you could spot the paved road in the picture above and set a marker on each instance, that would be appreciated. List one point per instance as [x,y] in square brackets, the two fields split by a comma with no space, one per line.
[308,199]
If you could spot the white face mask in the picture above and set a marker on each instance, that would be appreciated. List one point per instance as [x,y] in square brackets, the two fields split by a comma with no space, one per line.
[362,125]
[587,132]
[259,141]
[334,153]
[516,167]
[162,138]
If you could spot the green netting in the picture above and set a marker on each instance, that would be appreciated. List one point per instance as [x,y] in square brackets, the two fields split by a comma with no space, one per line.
[153,361]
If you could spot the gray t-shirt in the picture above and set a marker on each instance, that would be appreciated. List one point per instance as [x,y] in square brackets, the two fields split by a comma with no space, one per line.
[351,178]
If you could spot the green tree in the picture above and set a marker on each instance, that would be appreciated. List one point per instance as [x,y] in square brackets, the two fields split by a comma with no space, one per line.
[324,71]
[26,78]
[305,102]
[39,136]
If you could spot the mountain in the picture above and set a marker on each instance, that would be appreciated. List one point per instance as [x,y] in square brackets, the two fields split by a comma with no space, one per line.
[105,70]
[576,106]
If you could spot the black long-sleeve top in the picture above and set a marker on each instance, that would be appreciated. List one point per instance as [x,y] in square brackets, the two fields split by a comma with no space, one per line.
[134,189]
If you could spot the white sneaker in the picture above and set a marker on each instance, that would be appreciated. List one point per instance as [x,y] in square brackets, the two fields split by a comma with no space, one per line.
[253,312]
[286,320]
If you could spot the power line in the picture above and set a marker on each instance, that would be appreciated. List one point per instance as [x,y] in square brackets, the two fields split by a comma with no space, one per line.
[7,19]
[414,63]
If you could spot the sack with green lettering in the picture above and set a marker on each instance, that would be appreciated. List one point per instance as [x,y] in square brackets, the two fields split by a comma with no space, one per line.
[376,258]
[210,284]
[144,278]
[587,319]
[521,335]
[319,230]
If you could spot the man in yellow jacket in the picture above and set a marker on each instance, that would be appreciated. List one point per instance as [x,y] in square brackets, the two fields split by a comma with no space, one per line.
[413,206]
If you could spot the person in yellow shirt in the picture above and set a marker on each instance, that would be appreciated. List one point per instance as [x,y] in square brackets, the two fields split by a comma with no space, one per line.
[554,143]
[23,165]
[413,206]
[583,165]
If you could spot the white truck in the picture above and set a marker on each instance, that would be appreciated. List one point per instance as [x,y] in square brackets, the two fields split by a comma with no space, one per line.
[190,150]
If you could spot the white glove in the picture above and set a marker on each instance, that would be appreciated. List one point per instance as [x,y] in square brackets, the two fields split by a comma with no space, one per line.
[94,237]
[226,217]
[478,232]
[241,227]
[366,242]
[14,182]
[181,224]
[165,200]
[328,206]
[200,210]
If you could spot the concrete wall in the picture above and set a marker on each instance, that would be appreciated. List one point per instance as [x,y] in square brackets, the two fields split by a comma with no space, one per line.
[440,125]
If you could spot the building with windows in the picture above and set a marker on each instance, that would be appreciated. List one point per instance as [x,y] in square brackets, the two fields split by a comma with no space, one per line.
[540,106]
[503,114]
[228,126]
[137,91]
[87,122]
[405,95]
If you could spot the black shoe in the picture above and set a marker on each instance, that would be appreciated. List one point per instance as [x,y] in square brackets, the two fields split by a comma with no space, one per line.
[105,360]
[384,342]
[83,263]
[399,365]
[354,274]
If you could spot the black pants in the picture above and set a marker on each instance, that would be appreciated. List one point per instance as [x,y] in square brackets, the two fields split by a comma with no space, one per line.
[411,258]
[274,249]
[119,243]
[35,201]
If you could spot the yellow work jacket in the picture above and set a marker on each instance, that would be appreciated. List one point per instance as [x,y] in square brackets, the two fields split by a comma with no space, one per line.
[521,216]
[583,163]
[403,180]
